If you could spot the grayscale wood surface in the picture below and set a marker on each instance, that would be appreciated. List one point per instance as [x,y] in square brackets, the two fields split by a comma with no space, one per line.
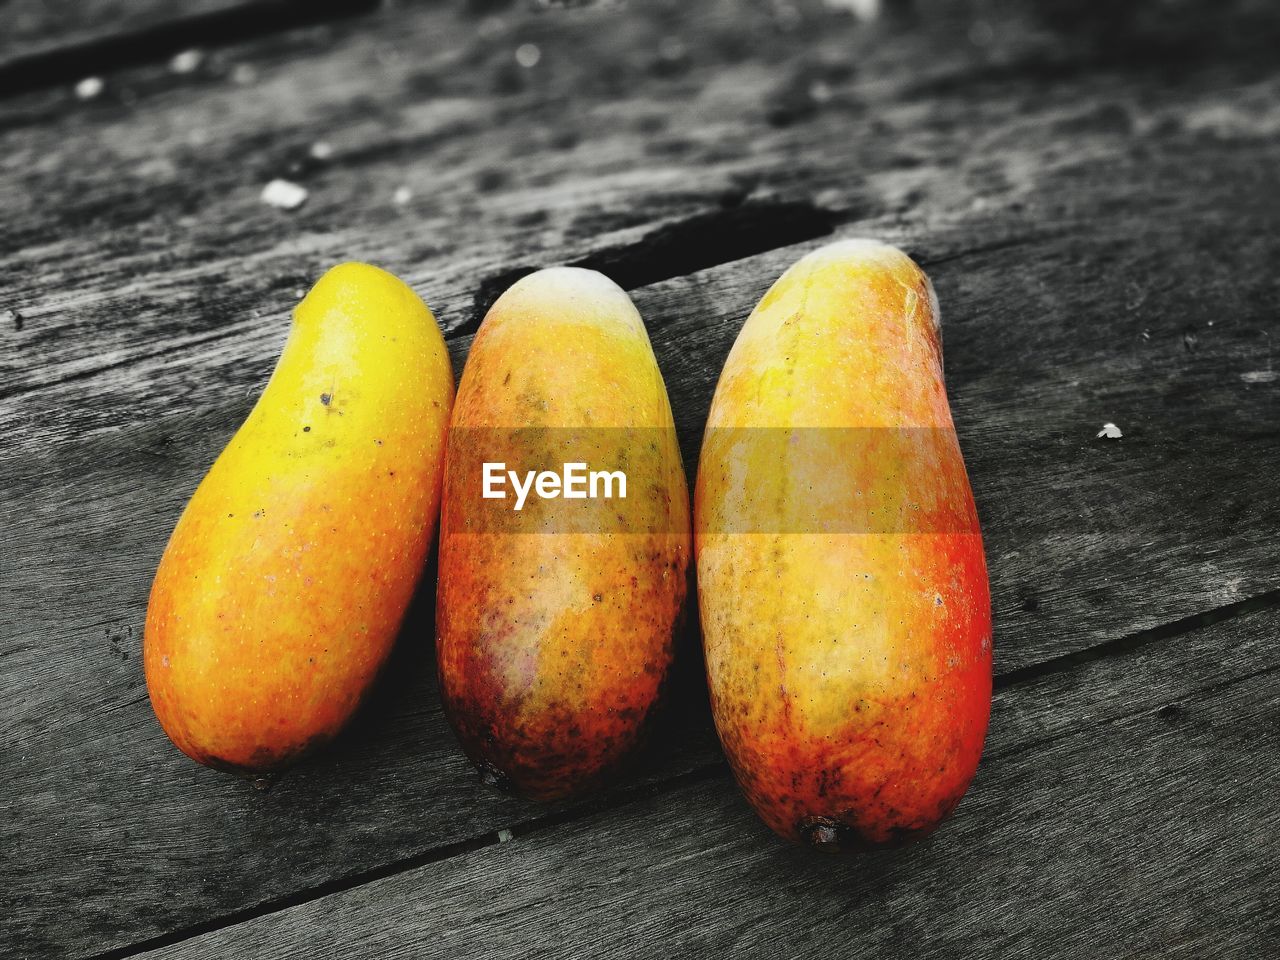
[1120,811]
[1094,190]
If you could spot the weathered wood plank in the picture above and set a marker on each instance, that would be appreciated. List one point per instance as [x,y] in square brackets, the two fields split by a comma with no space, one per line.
[37,26]
[1123,808]
[148,227]
[398,788]
[140,349]
[501,171]
[238,351]
[47,42]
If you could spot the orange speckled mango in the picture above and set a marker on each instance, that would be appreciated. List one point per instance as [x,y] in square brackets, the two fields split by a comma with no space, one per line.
[555,637]
[284,584]
[848,643]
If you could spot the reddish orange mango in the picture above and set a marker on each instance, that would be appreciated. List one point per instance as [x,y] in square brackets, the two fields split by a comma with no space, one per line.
[843,590]
[555,623]
[282,589]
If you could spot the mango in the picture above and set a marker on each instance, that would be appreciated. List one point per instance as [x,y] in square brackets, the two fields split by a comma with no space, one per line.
[555,623]
[284,584]
[843,591]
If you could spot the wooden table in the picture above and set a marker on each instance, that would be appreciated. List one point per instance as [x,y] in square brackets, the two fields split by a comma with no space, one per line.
[1093,187]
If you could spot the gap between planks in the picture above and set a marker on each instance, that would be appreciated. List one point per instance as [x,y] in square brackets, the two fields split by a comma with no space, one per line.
[705,240]
[1116,647]
[666,252]
[60,65]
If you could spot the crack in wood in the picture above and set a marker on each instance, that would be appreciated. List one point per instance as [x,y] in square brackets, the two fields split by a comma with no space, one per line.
[434,855]
[69,63]
[704,240]
[925,259]
[197,341]
[1174,715]
[700,242]
[713,770]
[1098,36]
[491,288]
[711,239]
[1120,646]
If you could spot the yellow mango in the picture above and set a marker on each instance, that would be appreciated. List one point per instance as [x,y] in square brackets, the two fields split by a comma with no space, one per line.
[284,584]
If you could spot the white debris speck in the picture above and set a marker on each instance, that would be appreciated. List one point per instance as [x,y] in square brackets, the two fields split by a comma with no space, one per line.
[528,55]
[865,10]
[833,198]
[188,61]
[320,150]
[284,194]
[504,835]
[1260,376]
[243,74]
[1146,334]
[819,91]
[402,196]
[89,87]
[156,168]
[1110,431]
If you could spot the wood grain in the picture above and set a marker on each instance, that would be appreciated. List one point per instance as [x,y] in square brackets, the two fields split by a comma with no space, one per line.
[1082,526]
[151,230]
[1100,235]
[1122,809]
[37,26]
[59,42]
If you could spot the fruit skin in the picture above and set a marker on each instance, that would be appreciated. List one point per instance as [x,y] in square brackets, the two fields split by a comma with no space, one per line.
[554,646]
[849,666]
[283,586]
